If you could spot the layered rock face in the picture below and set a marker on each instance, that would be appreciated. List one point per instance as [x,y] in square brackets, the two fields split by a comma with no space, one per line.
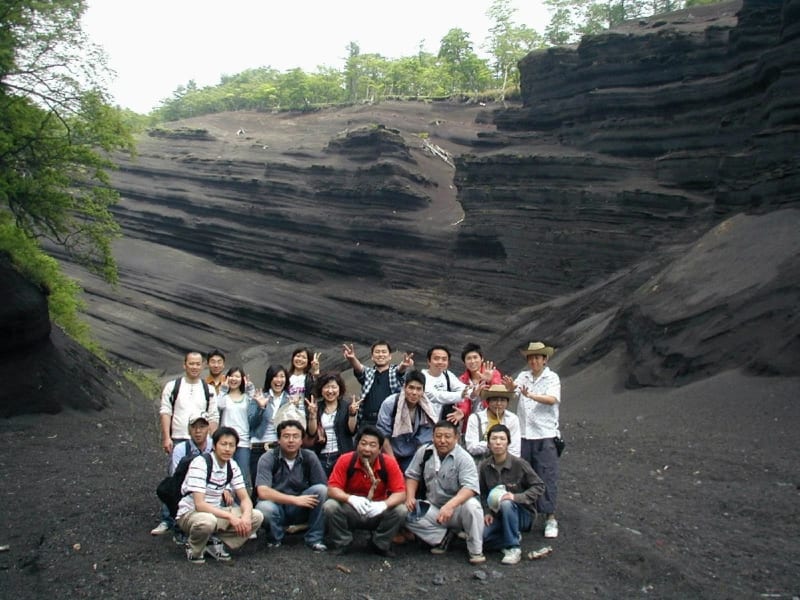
[436,222]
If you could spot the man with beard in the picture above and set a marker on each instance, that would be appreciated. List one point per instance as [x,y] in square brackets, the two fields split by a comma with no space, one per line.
[377,382]
[201,512]
[449,502]
[539,392]
[366,490]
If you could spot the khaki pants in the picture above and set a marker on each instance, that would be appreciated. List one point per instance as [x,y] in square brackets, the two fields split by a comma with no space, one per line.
[467,517]
[342,519]
[199,526]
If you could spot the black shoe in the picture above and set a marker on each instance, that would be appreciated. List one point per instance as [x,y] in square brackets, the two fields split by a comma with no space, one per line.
[442,546]
[387,553]
[343,550]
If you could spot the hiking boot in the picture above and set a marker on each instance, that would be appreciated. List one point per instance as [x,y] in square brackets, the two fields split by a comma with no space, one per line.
[477,559]
[160,529]
[318,547]
[511,556]
[551,528]
[442,546]
[218,551]
[195,560]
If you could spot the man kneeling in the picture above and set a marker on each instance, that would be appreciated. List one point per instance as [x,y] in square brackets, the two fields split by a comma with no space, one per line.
[509,489]
[291,488]
[200,511]
[366,490]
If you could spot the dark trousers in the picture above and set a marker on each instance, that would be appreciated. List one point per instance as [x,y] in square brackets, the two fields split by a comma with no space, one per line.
[543,457]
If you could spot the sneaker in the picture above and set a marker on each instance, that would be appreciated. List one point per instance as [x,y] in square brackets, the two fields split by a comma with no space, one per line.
[160,529]
[511,556]
[551,528]
[477,559]
[218,551]
[195,560]
[273,544]
[253,535]
[318,547]
[462,535]
[442,546]
[180,538]
[290,529]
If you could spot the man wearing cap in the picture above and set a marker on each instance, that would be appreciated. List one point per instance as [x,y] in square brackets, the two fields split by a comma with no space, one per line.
[510,509]
[539,393]
[476,439]
[199,442]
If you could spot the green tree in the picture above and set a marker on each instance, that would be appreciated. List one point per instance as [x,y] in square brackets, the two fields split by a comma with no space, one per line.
[509,43]
[57,131]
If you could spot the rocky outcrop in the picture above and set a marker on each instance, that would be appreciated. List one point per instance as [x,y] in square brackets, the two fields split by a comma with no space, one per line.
[444,222]
[43,370]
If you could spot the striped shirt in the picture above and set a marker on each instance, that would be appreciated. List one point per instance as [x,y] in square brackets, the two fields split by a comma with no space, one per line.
[196,482]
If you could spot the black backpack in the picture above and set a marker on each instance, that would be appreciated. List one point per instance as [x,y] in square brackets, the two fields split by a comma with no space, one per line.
[351,469]
[177,386]
[169,490]
[422,489]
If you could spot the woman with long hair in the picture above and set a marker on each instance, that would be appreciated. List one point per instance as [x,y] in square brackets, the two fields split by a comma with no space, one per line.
[237,394]
[261,414]
[331,420]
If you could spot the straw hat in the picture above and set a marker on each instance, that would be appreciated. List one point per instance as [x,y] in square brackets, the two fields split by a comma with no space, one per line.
[496,391]
[538,348]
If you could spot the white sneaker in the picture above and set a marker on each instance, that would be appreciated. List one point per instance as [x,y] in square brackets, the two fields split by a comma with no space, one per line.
[511,556]
[160,529]
[551,528]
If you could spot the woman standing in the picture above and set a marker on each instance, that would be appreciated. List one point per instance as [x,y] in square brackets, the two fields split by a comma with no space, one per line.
[331,420]
[236,396]
[261,414]
[303,372]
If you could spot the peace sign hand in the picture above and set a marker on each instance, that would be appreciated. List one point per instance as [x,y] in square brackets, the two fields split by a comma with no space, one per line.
[348,351]
[311,406]
[355,404]
[408,360]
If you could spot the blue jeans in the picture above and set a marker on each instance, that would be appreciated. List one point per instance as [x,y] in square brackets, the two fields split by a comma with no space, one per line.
[242,458]
[507,527]
[278,516]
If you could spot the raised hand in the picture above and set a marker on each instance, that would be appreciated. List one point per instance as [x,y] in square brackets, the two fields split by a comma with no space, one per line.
[315,362]
[311,406]
[355,404]
[456,416]
[348,351]
[408,360]
[488,371]
[509,383]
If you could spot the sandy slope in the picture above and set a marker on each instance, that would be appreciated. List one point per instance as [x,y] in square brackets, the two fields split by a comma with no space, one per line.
[665,494]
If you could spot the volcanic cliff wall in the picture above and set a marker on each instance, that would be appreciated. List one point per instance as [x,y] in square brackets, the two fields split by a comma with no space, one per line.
[426,222]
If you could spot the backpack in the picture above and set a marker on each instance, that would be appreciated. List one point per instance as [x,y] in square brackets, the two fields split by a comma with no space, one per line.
[422,489]
[177,386]
[383,475]
[169,490]
[276,463]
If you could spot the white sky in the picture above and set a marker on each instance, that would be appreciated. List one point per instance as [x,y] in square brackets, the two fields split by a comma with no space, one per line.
[156,45]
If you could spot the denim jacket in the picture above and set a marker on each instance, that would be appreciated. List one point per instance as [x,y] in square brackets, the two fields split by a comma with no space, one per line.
[260,417]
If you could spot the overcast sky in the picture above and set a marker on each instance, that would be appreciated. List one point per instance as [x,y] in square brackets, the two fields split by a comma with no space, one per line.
[157,45]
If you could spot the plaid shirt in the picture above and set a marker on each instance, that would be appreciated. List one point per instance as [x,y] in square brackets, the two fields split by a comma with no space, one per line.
[367,377]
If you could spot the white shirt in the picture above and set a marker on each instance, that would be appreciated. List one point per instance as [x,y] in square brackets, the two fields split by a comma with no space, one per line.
[537,420]
[190,400]
[436,390]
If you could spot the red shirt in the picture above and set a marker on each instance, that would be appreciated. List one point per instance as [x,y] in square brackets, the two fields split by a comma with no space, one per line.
[359,483]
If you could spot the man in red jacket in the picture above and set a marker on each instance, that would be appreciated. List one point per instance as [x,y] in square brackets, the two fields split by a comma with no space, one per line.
[366,490]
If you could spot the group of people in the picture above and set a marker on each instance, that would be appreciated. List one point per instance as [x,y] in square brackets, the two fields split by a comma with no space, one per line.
[419,453]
